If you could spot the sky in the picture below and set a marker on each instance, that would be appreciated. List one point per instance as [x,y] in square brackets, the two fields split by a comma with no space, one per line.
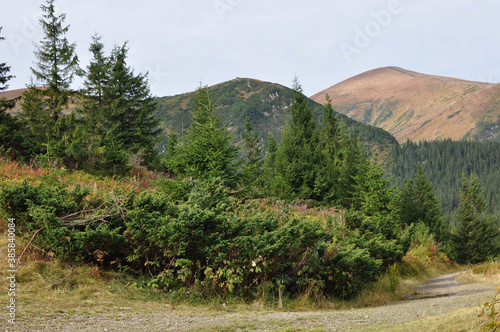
[182,43]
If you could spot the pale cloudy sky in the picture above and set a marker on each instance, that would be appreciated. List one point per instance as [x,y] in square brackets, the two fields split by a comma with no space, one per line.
[184,42]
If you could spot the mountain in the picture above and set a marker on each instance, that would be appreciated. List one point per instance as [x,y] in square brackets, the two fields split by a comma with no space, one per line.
[267,106]
[13,94]
[416,106]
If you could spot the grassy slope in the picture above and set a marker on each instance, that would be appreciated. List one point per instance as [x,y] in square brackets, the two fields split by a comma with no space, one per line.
[418,107]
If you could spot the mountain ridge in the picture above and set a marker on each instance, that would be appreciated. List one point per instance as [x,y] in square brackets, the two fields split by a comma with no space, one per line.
[416,106]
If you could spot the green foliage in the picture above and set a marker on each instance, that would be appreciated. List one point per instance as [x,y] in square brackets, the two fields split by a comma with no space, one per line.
[443,161]
[419,203]
[71,223]
[118,109]
[206,152]
[477,237]
[490,311]
[14,139]
[297,157]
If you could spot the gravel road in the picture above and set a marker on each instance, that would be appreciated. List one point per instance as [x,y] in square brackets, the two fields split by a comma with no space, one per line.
[438,296]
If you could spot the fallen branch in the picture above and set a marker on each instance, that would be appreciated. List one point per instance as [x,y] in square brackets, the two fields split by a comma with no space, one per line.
[38,231]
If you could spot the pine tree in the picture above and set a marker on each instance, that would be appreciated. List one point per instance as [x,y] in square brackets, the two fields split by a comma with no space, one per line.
[477,236]
[206,152]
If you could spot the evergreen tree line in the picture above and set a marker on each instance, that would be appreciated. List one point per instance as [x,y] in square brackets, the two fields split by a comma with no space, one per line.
[443,161]
[111,118]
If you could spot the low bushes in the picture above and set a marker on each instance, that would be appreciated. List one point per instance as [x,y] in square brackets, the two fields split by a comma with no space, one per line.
[203,241]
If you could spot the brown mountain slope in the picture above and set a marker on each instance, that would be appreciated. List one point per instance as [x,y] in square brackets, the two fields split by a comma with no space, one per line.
[415,106]
[12,94]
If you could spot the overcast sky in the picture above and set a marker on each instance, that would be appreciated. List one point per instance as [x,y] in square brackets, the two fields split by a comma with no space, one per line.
[184,42]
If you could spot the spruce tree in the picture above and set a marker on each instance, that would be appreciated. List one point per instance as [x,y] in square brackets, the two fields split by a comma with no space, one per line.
[4,72]
[130,109]
[49,94]
[477,236]
[333,140]
[206,153]
[119,109]
[252,161]
[57,63]
[298,155]
[419,203]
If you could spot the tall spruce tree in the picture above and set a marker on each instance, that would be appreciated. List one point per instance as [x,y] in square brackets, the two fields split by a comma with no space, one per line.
[130,109]
[49,94]
[119,109]
[206,153]
[334,141]
[57,63]
[477,236]
[4,72]
[298,156]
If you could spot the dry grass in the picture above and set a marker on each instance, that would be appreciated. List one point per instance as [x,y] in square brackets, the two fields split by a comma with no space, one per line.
[458,320]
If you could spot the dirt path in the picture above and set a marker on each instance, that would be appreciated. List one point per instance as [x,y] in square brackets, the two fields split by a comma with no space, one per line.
[438,296]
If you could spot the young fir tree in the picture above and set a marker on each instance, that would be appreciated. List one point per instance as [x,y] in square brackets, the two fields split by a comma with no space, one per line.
[206,153]
[298,156]
[477,236]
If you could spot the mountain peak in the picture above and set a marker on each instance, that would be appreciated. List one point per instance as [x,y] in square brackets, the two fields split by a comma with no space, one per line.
[417,106]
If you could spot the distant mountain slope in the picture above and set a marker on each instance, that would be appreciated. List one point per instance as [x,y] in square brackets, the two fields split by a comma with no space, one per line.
[415,106]
[267,106]
[12,94]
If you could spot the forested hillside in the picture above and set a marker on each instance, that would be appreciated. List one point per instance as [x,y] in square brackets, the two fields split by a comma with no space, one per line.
[267,107]
[444,161]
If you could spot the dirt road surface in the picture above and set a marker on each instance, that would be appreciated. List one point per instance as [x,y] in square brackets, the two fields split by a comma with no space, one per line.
[440,295]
